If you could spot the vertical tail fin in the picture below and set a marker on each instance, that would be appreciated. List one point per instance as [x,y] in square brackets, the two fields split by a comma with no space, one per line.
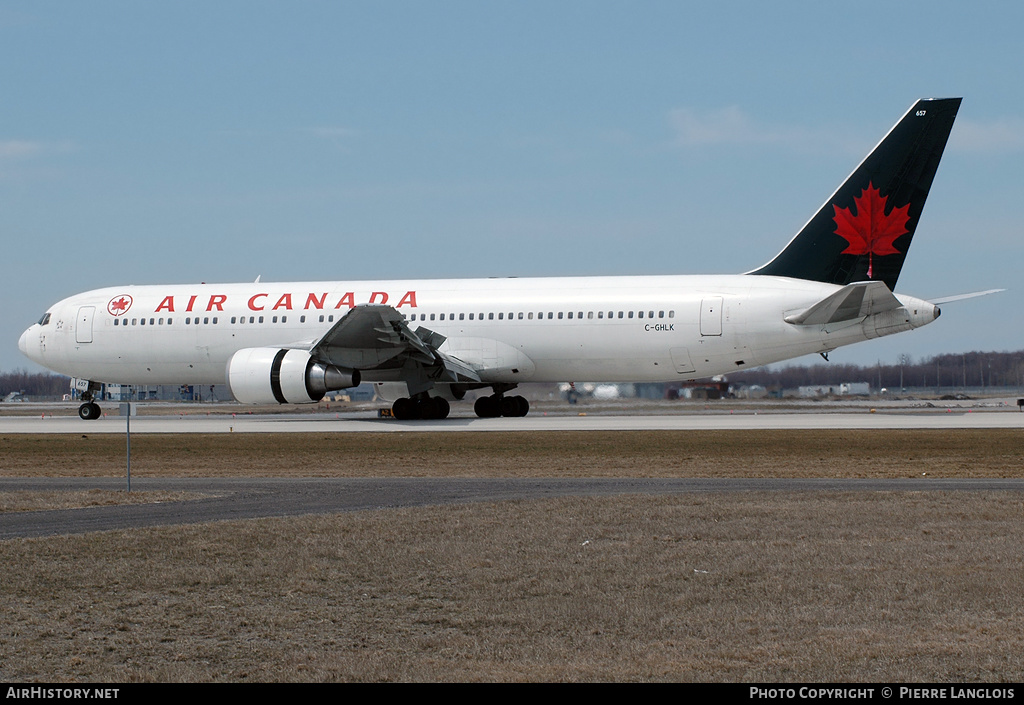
[864,230]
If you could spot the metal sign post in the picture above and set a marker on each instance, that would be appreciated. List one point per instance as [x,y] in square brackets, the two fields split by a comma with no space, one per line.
[126,409]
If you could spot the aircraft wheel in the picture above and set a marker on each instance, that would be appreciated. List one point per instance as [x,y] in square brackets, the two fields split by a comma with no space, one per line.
[487,407]
[89,411]
[427,408]
[524,406]
[404,409]
[510,406]
[441,407]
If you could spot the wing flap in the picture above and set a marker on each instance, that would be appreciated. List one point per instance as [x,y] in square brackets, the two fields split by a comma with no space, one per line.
[377,337]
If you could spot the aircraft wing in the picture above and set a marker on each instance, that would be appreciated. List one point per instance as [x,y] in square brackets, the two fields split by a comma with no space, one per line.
[377,337]
[855,300]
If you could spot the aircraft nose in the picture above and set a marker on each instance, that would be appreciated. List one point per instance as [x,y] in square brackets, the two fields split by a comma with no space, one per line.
[23,343]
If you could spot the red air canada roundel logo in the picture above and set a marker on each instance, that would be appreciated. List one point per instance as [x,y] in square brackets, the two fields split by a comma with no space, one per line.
[119,305]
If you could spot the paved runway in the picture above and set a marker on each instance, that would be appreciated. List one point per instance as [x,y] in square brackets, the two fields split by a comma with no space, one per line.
[845,418]
[249,498]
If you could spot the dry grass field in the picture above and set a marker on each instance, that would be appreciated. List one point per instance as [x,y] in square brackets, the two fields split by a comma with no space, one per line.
[811,586]
[766,453]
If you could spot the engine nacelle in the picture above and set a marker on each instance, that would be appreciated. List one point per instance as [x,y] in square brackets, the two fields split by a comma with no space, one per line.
[273,375]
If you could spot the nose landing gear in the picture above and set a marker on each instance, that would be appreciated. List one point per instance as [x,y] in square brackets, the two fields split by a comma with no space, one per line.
[89,410]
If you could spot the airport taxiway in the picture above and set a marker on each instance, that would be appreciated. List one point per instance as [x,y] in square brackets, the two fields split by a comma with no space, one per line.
[251,498]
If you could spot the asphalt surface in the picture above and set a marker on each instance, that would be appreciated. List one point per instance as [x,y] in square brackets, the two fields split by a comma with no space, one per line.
[245,498]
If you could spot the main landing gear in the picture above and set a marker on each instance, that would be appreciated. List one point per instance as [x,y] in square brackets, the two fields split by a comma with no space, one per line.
[500,405]
[429,408]
[420,407]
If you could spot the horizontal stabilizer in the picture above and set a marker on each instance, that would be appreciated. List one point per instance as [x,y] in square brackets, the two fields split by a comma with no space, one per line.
[853,301]
[961,297]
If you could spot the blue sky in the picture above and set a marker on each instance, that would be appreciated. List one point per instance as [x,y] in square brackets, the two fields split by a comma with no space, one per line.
[146,143]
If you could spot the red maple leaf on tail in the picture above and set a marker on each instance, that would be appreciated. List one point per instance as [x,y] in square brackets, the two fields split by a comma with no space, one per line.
[871,232]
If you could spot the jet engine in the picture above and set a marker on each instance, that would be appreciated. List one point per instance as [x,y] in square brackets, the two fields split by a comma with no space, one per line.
[272,375]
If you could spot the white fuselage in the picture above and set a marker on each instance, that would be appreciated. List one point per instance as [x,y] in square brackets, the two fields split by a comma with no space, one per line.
[615,329]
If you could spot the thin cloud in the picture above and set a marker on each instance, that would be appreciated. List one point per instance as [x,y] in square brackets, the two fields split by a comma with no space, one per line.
[1000,135]
[695,128]
[724,126]
[19,149]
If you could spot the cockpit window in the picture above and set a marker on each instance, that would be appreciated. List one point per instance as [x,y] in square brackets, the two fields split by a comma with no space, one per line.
[45,319]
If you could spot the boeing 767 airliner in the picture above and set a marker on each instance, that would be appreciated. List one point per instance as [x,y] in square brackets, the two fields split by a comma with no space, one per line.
[832,285]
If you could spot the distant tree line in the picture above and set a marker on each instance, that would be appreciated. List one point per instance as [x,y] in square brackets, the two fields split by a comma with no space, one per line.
[33,384]
[972,369]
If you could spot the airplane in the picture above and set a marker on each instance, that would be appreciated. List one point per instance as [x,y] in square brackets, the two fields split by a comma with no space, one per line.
[434,340]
